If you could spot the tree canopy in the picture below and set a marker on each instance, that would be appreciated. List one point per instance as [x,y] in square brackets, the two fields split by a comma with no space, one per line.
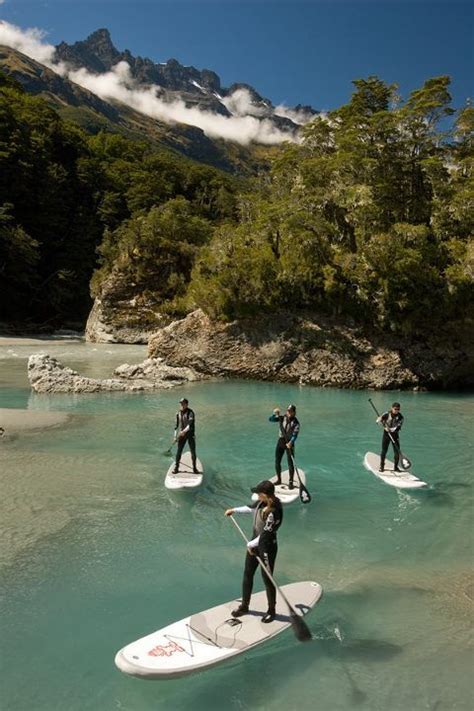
[369,216]
[67,200]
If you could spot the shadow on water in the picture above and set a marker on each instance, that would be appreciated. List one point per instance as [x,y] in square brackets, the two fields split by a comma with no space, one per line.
[359,595]
[363,650]
[438,498]
[445,486]
[344,650]
[440,493]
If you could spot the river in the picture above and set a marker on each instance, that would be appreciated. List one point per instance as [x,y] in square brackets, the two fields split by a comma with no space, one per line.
[96,553]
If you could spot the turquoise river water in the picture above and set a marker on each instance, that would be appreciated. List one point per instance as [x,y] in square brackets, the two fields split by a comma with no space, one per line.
[96,552]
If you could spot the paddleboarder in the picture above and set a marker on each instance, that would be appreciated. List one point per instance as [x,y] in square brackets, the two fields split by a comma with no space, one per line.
[289,428]
[184,432]
[392,422]
[267,517]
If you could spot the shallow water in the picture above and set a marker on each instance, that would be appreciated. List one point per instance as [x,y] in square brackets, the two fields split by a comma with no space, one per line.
[96,552]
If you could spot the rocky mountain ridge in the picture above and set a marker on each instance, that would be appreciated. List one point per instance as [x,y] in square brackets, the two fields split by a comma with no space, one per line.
[200,88]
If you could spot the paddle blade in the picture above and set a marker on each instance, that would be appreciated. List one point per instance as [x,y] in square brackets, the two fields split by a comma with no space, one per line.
[406,464]
[305,496]
[300,628]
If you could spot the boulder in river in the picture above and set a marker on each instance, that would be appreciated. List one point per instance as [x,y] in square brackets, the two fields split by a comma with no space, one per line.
[47,375]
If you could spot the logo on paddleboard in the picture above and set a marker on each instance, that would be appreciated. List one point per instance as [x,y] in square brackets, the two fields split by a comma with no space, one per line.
[165,650]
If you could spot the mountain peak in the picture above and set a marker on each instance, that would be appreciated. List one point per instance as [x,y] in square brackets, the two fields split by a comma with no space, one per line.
[100,44]
[97,53]
[101,34]
[200,88]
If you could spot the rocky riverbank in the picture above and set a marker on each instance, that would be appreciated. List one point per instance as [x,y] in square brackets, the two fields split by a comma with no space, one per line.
[315,351]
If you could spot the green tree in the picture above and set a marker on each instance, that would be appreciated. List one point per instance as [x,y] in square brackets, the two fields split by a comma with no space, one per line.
[156,251]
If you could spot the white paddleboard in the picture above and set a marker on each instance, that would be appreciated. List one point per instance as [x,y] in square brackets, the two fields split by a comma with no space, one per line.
[286,495]
[401,479]
[210,637]
[184,478]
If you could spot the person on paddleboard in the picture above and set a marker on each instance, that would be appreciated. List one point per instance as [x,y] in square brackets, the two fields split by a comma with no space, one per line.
[289,428]
[184,432]
[267,517]
[391,422]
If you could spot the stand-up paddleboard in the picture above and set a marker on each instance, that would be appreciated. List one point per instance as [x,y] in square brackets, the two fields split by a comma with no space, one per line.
[210,637]
[284,493]
[184,478]
[401,479]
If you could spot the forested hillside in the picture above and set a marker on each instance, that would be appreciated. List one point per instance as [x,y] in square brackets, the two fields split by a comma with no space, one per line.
[370,216]
[63,193]
[87,110]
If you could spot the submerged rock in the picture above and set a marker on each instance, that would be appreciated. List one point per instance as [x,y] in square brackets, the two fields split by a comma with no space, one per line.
[15,420]
[47,375]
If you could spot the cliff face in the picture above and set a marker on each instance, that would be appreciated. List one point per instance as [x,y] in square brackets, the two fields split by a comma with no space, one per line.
[121,315]
[313,351]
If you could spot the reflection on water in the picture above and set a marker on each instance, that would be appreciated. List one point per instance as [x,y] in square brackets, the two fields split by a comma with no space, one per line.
[97,553]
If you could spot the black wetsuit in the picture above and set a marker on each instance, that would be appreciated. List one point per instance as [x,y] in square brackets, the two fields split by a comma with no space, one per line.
[185,424]
[289,428]
[394,424]
[265,530]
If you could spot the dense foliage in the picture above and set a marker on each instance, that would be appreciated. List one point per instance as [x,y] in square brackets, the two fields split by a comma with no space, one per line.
[48,223]
[369,216]
[65,195]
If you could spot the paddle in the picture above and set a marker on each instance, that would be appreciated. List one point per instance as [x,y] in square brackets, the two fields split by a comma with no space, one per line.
[305,496]
[169,450]
[405,462]
[300,628]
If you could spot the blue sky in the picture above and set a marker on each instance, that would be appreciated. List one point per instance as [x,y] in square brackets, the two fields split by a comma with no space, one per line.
[305,51]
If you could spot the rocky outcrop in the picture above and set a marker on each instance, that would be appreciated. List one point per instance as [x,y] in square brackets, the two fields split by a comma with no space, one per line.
[48,375]
[310,350]
[156,371]
[122,315]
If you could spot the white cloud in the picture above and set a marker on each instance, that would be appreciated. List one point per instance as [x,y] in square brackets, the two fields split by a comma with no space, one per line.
[118,84]
[30,42]
[299,116]
[240,103]
[243,127]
